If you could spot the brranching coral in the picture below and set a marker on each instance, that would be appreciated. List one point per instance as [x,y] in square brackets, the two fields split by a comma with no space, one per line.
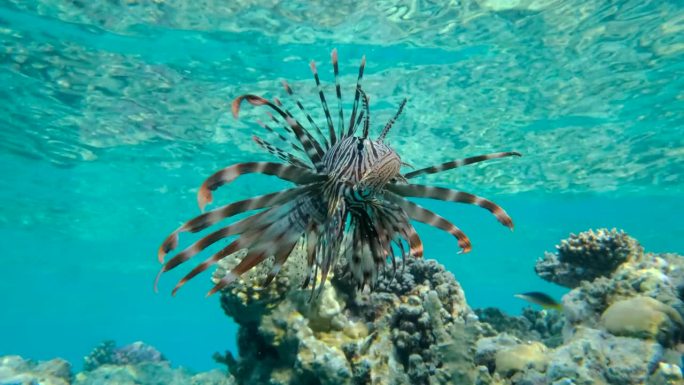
[587,256]
[414,329]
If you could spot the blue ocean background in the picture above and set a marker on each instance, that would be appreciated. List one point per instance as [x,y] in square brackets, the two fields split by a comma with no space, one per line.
[112,114]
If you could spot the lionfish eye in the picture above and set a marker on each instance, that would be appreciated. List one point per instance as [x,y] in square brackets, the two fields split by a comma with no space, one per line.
[359,145]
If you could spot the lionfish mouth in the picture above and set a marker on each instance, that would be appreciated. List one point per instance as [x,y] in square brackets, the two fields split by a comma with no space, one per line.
[349,198]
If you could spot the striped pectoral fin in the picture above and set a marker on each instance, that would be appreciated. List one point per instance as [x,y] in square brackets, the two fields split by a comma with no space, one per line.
[262,246]
[312,147]
[207,219]
[278,152]
[169,244]
[445,194]
[254,221]
[286,172]
[311,243]
[251,259]
[458,163]
[280,235]
[282,253]
[426,216]
[233,247]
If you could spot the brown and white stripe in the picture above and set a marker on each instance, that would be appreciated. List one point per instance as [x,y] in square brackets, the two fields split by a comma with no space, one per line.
[458,163]
[445,194]
[350,198]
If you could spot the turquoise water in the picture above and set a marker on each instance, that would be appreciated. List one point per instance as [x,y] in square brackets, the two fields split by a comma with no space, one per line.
[113,113]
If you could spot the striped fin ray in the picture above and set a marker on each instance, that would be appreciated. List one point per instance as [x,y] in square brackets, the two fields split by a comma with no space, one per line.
[426,216]
[251,227]
[282,234]
[324,104]
[368,256]
[246,240]
[398,220]
[207,219]
[458,163]
[338,92]
[415,244]
[282,253]
[352,125]
[390,123]
[331,239]
[366,110]
[312,147]
[277,134]
[208,240]
[289,173]
[290,92]
[311,242]
[445,194]
[279,153]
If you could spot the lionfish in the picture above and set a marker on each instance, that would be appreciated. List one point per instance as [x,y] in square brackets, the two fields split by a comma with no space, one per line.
[349,198]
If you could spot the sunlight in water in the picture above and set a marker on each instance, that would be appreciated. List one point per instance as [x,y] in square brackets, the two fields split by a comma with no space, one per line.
[114,112]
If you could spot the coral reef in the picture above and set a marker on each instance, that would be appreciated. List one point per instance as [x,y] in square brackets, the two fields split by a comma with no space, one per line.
[107,353]
[137,363]
[532,325]
[587,256]
[415,327]
[621,324]
[16,370]
[655,276]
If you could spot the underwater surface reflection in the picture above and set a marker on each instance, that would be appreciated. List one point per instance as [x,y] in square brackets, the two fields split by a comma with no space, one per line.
[113,113]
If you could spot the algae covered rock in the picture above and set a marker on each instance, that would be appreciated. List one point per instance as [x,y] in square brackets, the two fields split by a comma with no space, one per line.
[620,324]
[642,317]
[107,353]
[654,276]
[139,369]
[587,256]
[149,373]
[521,357]
[666,374]
[532,325]
[14,370]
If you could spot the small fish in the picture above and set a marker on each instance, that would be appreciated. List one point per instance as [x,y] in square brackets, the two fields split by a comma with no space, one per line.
[541,299]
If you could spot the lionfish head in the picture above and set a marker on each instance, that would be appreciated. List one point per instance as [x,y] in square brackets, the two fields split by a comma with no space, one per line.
[348,203]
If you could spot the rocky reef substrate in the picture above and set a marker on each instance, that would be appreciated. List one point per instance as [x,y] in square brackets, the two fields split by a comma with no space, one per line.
[107,364]
[621,324]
